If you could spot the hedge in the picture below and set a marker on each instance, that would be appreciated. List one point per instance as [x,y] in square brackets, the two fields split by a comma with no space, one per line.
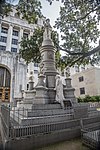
[88,98]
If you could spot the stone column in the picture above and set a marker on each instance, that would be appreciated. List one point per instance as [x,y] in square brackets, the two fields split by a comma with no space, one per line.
[20,37]
[48,68]
[31,85]
[9,38]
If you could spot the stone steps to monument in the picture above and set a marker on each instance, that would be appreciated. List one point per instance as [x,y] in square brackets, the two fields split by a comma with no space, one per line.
[40,112]
[41,119]
[36,113]
[46,106]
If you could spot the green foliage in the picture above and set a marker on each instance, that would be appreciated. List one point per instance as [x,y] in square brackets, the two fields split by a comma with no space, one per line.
[30,46]
[88,98]
[5,7]
[78,23]
[30,10]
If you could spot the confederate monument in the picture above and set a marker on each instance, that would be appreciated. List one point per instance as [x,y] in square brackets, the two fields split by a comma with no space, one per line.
[42,117]
[52,89]
[49,89]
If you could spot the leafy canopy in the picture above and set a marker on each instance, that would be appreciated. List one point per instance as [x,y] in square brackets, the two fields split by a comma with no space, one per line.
[30,47]
[78,23]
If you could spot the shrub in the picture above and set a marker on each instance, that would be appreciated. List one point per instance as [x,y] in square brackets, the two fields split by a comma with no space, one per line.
[88,98]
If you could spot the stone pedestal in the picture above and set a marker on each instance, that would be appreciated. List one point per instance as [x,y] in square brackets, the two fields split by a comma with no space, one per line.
[41,96]
[27,100]
[31,85]
[69,91]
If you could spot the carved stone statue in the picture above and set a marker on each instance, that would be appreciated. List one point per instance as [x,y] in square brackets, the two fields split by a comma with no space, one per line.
[59,90]
[48,29]
[67,71]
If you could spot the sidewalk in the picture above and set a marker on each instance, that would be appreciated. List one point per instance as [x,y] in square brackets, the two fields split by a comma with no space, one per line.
[75,144]
[0,143]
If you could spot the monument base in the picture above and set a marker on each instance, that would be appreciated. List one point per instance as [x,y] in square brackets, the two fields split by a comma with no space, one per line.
[41,96]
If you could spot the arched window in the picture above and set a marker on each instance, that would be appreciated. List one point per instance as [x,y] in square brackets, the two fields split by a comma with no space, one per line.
[5,79]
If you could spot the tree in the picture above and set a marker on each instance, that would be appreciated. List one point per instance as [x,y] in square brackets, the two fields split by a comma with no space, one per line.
[78,24]
[30,9]
[30,47]
[5,7]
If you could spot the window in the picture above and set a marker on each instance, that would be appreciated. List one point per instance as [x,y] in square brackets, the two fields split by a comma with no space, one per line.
[77,68]
[3,39]
[35,65]
[81,79]
[15,33]
[14,49]
[14,41]
[25,35]
[82,90]
[35,71]
[4,30]
[3,48]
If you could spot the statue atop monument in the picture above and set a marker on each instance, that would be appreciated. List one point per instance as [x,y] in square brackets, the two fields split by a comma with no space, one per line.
[48,29]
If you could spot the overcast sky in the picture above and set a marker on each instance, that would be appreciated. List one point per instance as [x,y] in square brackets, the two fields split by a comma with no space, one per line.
[51,11]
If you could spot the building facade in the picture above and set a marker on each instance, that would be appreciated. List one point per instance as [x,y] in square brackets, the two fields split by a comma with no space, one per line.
[14,73]
[86,82]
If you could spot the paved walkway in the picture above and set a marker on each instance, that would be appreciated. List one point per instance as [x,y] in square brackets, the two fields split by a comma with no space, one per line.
[0,143]
[67,145]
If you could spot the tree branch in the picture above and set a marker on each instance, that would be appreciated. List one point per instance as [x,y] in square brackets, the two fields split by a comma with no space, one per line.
[82,53]
[81,18]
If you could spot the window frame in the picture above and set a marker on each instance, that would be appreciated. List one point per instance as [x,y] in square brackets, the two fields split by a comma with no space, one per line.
[14,41]
[4,30]
[82,90]
[15,33]
[3,39]
[81,79]
[2,47]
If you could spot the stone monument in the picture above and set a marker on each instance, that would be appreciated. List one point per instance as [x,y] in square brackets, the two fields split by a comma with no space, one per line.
[46,90]
[48,68]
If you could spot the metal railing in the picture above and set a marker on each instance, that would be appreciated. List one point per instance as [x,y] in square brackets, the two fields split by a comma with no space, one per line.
[17,123]
[26,122]
[5,120]
[94,109]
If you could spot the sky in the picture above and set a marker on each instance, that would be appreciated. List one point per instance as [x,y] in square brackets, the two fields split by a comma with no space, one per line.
[51,11]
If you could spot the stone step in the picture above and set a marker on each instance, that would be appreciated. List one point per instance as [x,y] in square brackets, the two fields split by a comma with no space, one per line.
[22,120]
[46,106]
[45,119]
[36,113]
